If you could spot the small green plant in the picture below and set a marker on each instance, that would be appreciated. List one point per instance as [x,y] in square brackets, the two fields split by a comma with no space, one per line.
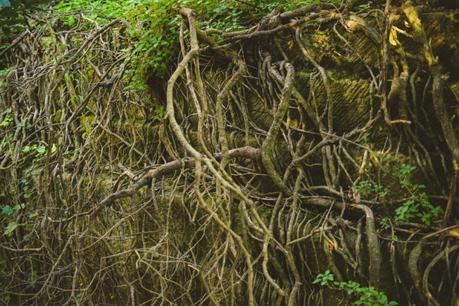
[384,223]
[10,228]
[324,279]
[159,112]
[37,150]
[3,75]
[367,296]
[7,118]
[368,189]
[9,212]
[418,206]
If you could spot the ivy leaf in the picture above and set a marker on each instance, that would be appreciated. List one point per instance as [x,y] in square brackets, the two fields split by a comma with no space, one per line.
[27,149]
[41,150]
[7,210]
[10,228]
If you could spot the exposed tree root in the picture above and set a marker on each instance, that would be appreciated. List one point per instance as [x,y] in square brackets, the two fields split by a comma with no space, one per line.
[245,188]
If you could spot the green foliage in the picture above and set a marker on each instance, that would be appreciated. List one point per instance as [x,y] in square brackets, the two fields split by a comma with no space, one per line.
[26,190]
[6,119]
[37,150]
[368,188]
[268,6]
[9,212]
[12,19]
[10,228]
[159,112]
[87,122]
[225,17]
[384,223]
[324,279]
[404,174]
[153,25]
[367,296]
[3,74]
[417,207]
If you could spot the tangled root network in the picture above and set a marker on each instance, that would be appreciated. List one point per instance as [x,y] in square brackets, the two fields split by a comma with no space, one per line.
[233,182]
